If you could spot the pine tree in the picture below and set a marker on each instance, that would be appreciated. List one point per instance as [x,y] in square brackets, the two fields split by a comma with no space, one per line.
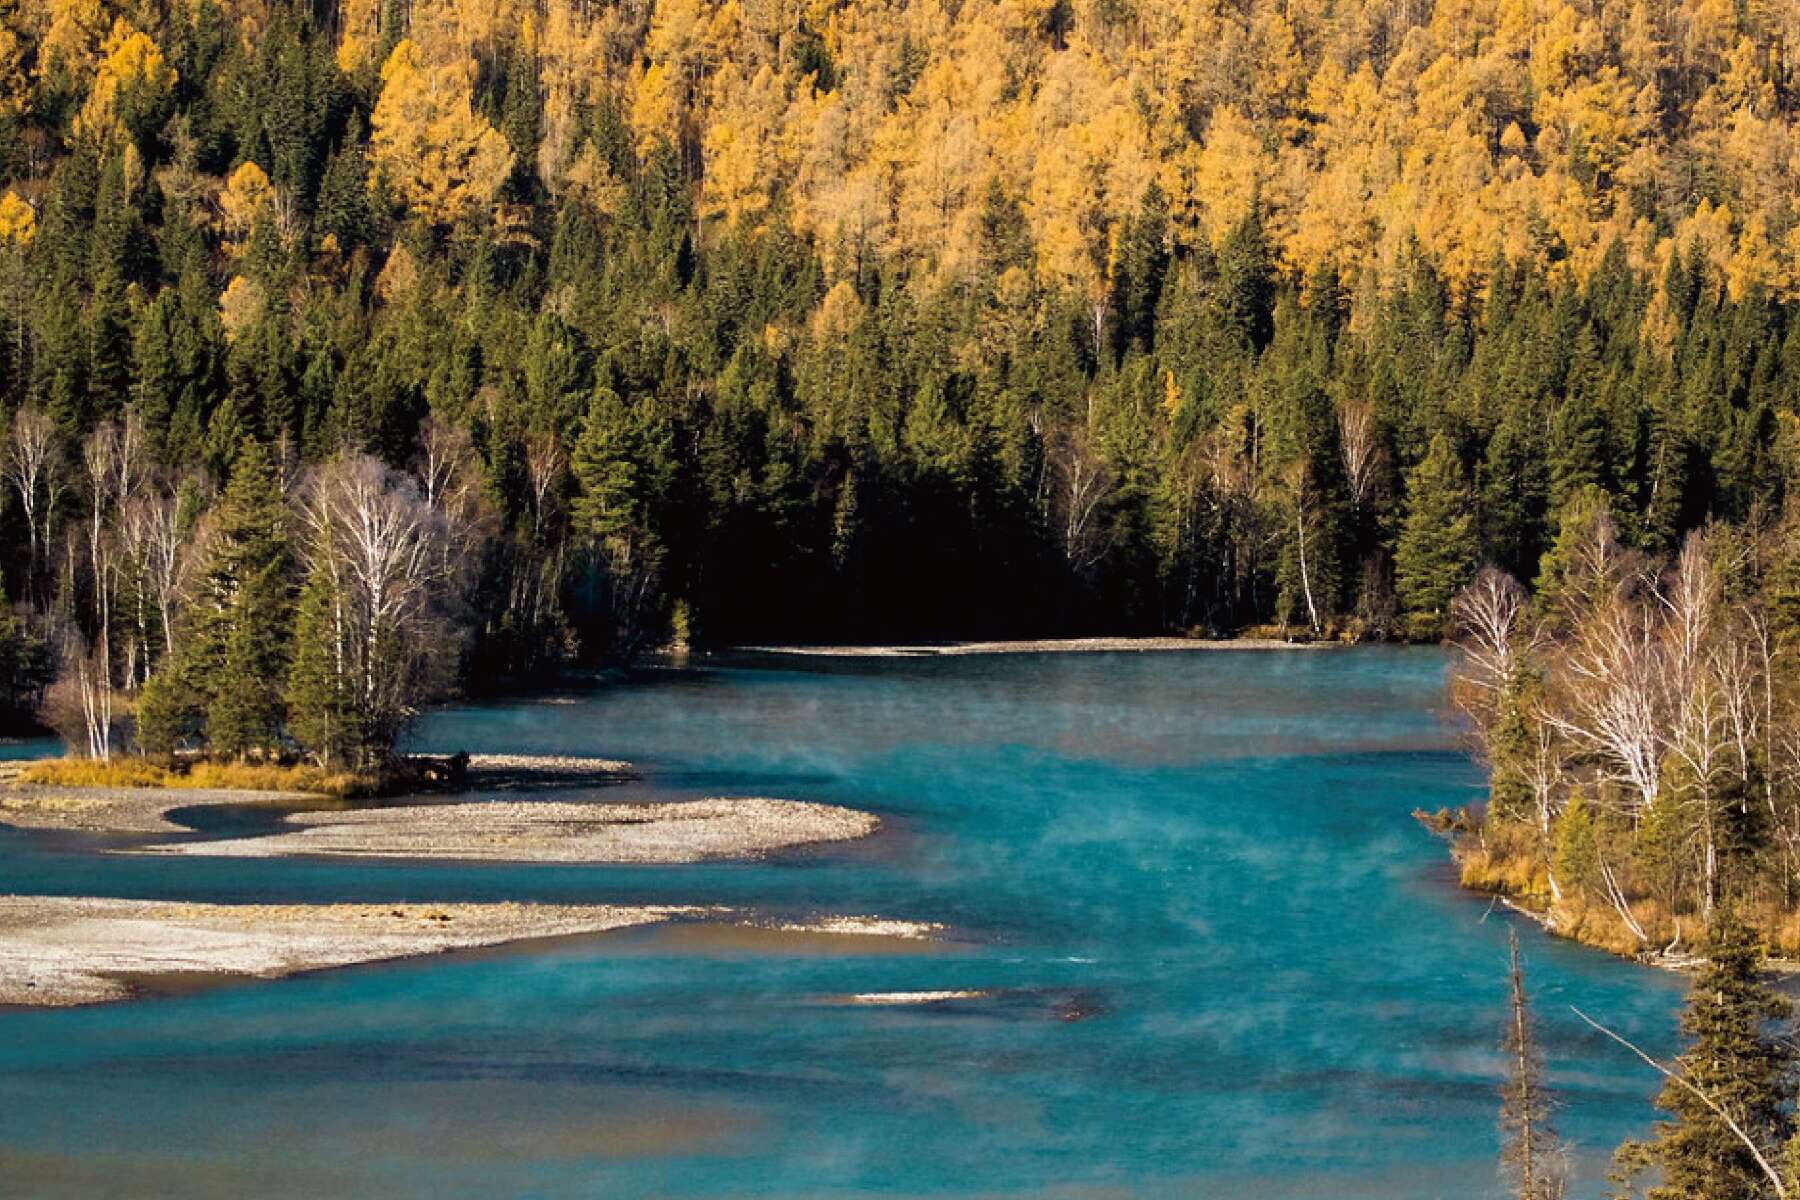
[321,705]
[1510,748]
[1577,449]
[1514,487]
[344,211]
[1143,262]
[1585,515]
[1574,854]
[1530,1150]
[1246,288]
[24,670]
[1436,552]
[620,465]
[235,657]
[1734,1067]
[168,716]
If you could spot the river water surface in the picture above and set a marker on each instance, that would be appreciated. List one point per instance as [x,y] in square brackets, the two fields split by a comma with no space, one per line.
[1217,958]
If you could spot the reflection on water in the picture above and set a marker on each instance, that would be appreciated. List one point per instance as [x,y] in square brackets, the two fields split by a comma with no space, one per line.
[1213,954]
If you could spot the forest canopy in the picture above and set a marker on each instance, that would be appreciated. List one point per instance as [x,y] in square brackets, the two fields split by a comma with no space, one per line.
[744,320]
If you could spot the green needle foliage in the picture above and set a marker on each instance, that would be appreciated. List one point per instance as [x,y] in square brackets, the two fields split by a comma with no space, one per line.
[1734,1067]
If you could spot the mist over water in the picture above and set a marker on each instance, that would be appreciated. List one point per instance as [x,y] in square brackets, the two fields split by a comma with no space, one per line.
[1217,956]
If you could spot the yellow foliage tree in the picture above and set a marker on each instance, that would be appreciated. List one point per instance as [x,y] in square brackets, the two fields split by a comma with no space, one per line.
[654,111]
[18,220]
[130,59]
[72,41]
[15,79]
[248,194]
[445,160]
[240,304]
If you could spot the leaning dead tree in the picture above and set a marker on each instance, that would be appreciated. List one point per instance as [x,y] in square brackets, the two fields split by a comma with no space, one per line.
[1531,1154]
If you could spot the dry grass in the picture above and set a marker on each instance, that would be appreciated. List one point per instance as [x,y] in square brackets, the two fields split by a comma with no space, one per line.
[1507,860]
[1519,876]
[1599,925]
[1783,933]
[141,773]
[94,772]
[268,777]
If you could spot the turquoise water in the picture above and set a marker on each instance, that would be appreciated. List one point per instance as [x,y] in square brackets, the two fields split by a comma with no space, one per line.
[1222,960]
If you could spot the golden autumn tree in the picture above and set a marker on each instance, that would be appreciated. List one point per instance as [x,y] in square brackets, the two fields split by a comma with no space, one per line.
[132,81]
[18,220]
[439,155]
[72,40]
[248,195]
[15,75]
[18,226]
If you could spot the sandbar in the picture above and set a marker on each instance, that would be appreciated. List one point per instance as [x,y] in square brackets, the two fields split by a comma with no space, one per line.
[543,831]
[61,950]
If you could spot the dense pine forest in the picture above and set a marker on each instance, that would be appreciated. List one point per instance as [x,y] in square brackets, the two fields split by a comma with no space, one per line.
[358,350]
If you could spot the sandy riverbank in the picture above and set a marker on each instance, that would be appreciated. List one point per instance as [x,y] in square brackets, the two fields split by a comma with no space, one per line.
[1044,646]
[551,831]
[59,951]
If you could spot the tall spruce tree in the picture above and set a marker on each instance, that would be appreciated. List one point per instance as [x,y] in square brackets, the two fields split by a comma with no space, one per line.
[1436,552]
[237,651]
[1736,1068]
[321,704]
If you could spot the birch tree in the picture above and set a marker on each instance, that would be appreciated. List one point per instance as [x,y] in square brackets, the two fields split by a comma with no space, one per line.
[375,550]
[33,466]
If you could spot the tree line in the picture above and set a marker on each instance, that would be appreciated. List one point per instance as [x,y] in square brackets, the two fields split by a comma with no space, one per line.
[354,234]
[1640,718]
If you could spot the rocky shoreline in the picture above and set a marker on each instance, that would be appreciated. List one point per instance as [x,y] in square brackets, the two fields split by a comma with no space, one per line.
[523,830]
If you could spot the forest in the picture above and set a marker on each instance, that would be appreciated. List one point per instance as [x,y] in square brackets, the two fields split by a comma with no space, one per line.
[360,350]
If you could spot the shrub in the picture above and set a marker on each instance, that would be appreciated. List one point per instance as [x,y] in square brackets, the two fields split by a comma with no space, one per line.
[231,776]
[94,772]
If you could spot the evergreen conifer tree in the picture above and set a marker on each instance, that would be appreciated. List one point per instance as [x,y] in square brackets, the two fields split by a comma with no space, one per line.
[1734,1072]
[235,657]
[321,708]
[1436,552]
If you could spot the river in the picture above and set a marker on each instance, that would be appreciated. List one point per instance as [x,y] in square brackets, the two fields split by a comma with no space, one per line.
[1214,957]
